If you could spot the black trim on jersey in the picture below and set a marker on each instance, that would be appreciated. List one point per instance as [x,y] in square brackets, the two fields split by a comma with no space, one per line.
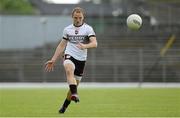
[91,36]
[65,38]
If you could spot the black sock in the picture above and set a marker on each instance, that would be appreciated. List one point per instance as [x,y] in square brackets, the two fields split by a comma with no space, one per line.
[66,103]
[73,88]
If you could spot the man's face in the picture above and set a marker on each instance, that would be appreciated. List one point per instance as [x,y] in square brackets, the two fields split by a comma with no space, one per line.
[78,18]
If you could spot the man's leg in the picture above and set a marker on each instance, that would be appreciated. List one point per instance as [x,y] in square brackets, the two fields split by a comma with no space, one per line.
[69,92]
[72,94]
[69,68]
[67,101]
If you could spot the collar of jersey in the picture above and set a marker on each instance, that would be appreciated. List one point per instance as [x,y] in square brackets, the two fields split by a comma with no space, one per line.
[79,25]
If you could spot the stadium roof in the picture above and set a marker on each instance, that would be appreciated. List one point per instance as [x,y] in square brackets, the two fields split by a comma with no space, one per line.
[92,7]
[157,11]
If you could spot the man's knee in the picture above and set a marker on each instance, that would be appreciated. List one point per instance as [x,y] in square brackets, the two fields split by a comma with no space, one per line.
[69,71]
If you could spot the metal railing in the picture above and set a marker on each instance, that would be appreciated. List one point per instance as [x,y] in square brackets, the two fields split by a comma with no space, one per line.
[114,65]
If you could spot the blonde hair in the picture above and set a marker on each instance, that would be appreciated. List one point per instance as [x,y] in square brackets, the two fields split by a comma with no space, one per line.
[78,10]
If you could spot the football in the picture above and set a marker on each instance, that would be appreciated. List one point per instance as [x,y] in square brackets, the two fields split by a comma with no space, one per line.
[134,22]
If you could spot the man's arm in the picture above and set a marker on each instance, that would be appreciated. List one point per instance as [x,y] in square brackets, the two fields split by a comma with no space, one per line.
[59,50]
[91,44]
[49,65]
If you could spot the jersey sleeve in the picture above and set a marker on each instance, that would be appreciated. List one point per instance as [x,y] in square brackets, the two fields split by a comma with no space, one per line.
[64,35]
[91,32]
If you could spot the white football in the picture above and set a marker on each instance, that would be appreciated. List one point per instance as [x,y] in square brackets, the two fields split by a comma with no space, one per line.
[134,21]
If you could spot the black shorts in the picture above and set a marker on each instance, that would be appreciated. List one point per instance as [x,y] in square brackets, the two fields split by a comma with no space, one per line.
[79,65]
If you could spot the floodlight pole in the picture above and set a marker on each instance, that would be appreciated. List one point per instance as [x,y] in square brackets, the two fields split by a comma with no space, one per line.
[44,21]
[1,29]
[141,67]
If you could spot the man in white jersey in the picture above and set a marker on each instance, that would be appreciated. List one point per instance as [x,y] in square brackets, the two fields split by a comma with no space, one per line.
[77,38]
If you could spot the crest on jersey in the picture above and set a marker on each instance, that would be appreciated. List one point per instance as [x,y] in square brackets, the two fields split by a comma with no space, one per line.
[76,32]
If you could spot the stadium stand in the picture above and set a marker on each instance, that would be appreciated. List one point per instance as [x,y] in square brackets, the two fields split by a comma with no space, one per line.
[122,55]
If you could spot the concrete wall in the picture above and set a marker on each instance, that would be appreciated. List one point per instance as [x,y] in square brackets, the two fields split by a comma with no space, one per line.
[17,32]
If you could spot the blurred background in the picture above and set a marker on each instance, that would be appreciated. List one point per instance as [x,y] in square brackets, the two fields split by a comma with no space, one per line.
[30,31]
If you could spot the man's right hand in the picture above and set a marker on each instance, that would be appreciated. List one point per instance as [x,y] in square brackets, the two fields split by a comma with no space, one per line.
[49,66]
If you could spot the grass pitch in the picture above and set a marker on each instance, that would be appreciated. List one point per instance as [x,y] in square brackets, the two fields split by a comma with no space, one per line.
[97,102]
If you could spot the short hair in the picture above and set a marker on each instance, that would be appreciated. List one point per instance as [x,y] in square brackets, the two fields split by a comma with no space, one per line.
[78,10]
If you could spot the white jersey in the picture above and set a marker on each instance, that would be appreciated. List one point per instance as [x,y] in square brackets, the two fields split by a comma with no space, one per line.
[74,35]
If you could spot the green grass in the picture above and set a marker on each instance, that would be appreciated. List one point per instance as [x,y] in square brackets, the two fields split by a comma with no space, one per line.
[164,102]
